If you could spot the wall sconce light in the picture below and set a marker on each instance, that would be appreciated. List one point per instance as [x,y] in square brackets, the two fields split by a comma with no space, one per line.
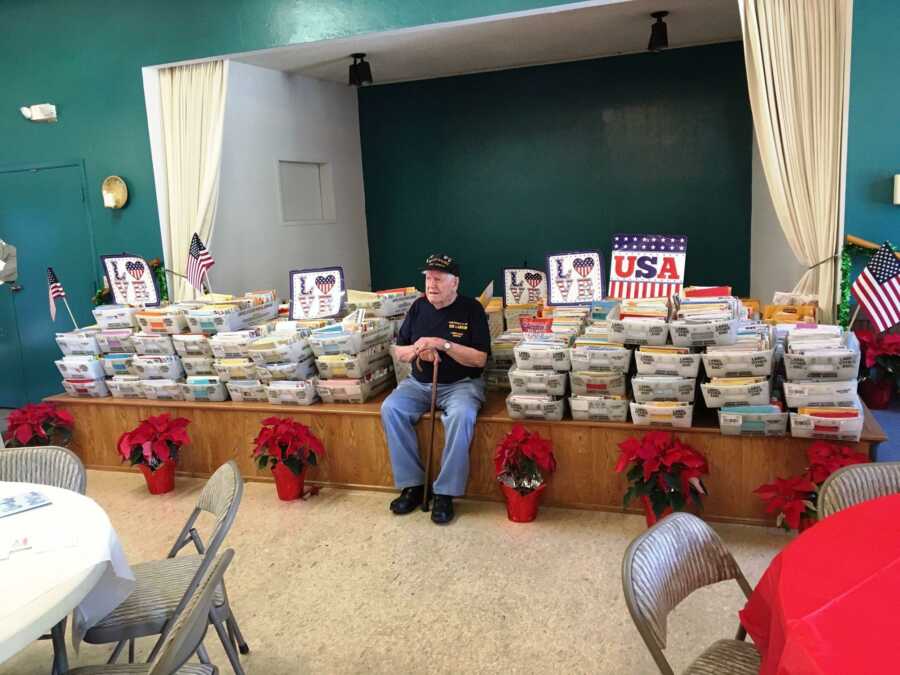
[360,71]
[659,34]
[115,192]
[897,189]
[42,112]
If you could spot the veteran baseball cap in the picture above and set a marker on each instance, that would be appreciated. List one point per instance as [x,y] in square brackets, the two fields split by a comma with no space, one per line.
[441,263]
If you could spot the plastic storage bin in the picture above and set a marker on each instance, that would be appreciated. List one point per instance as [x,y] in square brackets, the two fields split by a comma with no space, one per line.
[674,365]
[598,408]
[153,367]
[807,394]
[78,343]
[355,391]
[588,383]
[717,395]
[162,390]
[548,382]
[542,356]
[292,393]
[535,406]
[354,365]
[752,424]
[191,345]
[323,341]
[203,389]
[115,341]
[198,365]
[125,386]
[152,344]
[702,334]
[80,368]
[279,348]
[648,388]
[246,390]
[739,364]
[656,414]
[301,370]
[235,369]
[117,364]
[592,358]
[86,388]
[110,317]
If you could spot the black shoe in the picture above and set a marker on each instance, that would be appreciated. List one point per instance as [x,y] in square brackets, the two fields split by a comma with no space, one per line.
[410,498]
[442,509]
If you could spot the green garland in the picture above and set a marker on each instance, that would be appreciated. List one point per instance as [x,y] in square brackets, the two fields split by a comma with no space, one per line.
[850,251]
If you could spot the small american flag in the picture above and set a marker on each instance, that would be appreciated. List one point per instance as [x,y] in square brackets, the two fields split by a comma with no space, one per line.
[199,260]
[877,288]
[55,290]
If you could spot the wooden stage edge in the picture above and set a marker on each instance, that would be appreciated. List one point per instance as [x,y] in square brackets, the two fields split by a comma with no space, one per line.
[357,455]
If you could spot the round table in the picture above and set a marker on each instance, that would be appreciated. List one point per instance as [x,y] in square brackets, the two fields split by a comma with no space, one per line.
[828,602]
[72,562]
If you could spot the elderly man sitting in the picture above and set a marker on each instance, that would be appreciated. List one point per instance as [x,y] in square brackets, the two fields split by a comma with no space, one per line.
[454,329]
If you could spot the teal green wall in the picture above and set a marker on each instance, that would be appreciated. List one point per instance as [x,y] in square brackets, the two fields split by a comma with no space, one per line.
[503,167]
[86,57]
[873,141]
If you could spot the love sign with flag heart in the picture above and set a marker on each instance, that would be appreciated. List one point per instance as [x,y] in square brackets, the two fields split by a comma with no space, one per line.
[316,293]
[130,280]
[524,285]
[574,278]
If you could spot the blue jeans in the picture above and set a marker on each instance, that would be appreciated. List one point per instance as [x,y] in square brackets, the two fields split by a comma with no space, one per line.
[401,410]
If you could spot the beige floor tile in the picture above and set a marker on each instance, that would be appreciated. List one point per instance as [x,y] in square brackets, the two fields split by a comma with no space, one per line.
[337,584]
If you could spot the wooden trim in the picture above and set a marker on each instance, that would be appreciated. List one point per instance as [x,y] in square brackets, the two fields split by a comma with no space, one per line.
[865,243]
[494,410]
[357,454]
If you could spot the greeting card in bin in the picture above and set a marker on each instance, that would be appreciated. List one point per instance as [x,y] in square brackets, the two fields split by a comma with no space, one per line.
[130,280]
[574,278]
[316,293]
[522,285]
[22,501]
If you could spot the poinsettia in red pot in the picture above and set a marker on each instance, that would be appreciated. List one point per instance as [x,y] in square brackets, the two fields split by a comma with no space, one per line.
[880,367]
[664,473]
[522,462]
[153,446]
[38,424]
[794,499]
[287,447]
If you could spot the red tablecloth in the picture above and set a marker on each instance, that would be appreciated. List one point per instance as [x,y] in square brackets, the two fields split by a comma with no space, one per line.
[830,601]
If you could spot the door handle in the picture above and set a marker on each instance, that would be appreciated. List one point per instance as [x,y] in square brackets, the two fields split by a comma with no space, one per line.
[14,288]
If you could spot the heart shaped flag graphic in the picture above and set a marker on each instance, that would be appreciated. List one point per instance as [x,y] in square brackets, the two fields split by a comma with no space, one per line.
[583,266]
[325,283]
[533,279]
[135,268]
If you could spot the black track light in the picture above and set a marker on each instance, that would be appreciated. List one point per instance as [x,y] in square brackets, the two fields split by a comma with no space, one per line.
[360,71]
[659,34]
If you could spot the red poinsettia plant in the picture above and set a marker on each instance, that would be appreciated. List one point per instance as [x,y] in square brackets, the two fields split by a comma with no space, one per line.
[289,442]
[794,499]
[523,460]
[663,471]
[880,351]
[156,441]
[38,424]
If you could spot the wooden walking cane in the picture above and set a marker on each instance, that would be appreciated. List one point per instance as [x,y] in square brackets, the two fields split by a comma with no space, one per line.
[434,378]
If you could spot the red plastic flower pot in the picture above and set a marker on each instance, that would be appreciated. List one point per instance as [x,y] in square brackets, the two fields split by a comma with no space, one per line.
[160,481]
[522,508]
[877,393]
[288,484]
[649,514]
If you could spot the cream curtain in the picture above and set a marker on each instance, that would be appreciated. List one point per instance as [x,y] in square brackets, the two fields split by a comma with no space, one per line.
[192,99]
[797,54]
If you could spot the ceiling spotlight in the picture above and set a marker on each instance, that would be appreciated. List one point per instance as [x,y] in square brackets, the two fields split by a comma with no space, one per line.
[659,34]
[360,71]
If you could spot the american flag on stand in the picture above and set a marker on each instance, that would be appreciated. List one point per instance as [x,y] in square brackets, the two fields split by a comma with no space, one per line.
[199,260]
[55,290]
[877,288]
[647,265]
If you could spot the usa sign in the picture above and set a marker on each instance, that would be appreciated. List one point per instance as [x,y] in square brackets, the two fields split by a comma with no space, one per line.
[647,265]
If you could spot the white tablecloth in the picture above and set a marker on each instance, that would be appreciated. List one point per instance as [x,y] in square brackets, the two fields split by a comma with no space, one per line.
[74,564]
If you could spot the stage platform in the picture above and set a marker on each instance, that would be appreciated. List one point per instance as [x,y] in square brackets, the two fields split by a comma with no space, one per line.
[357,454]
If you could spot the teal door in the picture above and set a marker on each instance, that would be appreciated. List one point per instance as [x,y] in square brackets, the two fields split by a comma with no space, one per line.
[42,214]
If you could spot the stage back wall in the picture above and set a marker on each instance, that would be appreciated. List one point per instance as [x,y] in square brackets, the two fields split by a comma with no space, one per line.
[499,168]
